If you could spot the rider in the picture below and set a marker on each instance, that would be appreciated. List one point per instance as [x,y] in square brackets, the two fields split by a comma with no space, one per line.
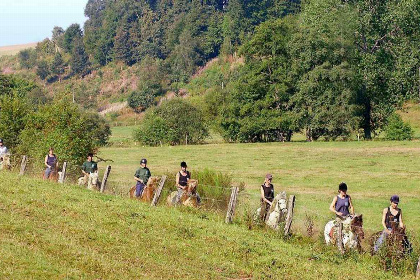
[50,162]
[391,214]
[341,205]
[181,179]
[141,176]
[3,150]
[88,167]
[267,195]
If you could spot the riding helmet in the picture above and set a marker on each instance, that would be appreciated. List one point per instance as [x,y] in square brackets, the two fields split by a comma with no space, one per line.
[342,187]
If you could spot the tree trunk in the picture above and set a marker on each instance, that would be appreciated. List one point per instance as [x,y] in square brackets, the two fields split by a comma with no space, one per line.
[367,120]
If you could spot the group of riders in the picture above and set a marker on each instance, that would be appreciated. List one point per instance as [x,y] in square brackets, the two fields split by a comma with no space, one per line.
[341,204]
[343,209]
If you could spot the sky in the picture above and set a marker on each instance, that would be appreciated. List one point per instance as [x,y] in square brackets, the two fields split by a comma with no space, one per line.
[30,21]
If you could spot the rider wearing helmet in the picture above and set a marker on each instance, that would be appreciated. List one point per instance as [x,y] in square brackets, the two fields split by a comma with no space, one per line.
[181,180]
[391,214]
[141,176]
[342,205]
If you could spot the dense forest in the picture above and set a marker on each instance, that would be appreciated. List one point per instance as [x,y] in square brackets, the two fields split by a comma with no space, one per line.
[326,68]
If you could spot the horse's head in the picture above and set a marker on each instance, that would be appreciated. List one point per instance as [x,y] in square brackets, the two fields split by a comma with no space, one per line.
[95,178]
[153,182]
[357,226]
[192,186]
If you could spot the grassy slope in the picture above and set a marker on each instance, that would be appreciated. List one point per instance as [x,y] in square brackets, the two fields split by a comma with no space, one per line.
[53,231]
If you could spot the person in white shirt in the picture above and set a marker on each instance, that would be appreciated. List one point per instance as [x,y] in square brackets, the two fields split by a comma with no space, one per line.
[3,150]
[3,153]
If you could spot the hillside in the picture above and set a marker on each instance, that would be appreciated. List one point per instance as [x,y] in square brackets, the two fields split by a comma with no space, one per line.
[54,231]
[12,50]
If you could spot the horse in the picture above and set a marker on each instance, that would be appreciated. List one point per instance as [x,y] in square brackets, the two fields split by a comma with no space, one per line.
[53,175]
[277,212]
[188,197]
[148,191]
[352,232]
[5,162]
[92,181]
[396,244]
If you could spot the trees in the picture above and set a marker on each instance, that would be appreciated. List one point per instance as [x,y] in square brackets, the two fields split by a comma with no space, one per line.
[43,70]
[73,34]
[386,40]
[27,58]
[174,122]
[79,61]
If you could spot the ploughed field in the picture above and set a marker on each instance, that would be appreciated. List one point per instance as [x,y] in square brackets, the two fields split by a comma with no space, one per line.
[52,231]
[373,171]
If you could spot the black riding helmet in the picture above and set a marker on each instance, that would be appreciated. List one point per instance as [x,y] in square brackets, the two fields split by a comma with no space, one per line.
[184,164]
[143,160]
[1,140]
[342,187]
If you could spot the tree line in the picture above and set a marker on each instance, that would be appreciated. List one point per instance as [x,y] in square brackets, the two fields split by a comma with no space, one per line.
[326,68]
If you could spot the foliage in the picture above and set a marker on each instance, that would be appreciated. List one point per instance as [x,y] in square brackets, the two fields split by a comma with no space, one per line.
[174,122]
[144,97]
[73,34]
[79,61]
[13,113]
[397,129]
[63,125]
[43,70]
[27,58]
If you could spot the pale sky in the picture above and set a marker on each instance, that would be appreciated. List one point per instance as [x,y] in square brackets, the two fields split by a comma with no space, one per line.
[29,21]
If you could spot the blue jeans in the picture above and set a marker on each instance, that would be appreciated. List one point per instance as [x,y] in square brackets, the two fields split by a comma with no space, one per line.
[380,240]
[48,172]
[139,188]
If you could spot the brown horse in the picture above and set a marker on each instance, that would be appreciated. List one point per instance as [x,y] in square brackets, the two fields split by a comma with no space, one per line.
[188,196]
[148,191]
[396,244]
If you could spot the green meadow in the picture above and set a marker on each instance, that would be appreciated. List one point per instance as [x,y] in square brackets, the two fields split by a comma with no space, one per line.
[373,170]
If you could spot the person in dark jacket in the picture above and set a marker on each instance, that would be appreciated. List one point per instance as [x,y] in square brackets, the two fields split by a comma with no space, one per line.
[51,163]
[141,176]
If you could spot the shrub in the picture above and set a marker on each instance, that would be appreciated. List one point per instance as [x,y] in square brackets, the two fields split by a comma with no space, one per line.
[397,129]
[174,122]
[62,125]
[144,97]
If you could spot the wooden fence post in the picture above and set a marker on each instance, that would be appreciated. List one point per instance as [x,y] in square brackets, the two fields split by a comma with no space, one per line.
[159,190]
[418,269]
[340,238]
[23,165]
[289,217]
[232,205]
[63,173]
[105,179]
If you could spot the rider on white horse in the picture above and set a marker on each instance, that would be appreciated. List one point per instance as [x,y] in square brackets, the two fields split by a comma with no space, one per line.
[341,205]
[343,208]
[89,170]
[267,196]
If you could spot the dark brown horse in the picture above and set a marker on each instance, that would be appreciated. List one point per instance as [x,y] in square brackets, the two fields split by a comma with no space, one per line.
[394,247]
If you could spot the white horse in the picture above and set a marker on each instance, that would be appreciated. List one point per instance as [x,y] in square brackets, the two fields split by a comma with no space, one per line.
[92,181]
[5,162]
[277,212]
[352,232]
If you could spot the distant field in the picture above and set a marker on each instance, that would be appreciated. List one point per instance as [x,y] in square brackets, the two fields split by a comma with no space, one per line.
[12,50]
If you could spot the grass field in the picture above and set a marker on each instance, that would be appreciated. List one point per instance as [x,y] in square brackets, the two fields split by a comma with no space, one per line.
[12,50]
[51,231]
[373,170]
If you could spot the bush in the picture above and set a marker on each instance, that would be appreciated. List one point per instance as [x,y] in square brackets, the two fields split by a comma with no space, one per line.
[397,129]
[62,125]
[144,97]
[174,122]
